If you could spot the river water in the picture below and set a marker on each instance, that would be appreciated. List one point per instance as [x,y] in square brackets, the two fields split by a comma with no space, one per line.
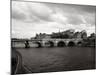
[58,58]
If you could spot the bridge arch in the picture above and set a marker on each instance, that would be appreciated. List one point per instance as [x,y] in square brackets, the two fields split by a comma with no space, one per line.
[79,43]
[61,44]
[38,44]
[71,43]
[49,44]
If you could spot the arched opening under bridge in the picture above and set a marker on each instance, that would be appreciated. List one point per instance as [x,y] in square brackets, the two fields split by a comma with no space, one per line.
[49,44]
[71,43]
[61,44]
[79,43]
[38,44]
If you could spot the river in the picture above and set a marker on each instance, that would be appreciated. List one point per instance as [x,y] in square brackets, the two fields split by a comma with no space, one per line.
[58,58]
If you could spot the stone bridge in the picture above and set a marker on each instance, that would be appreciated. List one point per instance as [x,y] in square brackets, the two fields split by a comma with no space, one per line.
[46,43]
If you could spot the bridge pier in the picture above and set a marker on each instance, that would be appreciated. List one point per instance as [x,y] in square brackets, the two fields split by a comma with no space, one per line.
[43,43]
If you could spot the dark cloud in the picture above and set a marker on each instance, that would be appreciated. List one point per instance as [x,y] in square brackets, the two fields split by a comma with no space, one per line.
[88,9]
[40,16]
[75,20]
[72,12]
[72,7]
[43,12]
[30,12]
[90,19]
[17,15]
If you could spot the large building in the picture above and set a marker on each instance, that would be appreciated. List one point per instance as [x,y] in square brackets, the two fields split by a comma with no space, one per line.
[68,34]
[83,34]
[77,35]
[65,34]
[42,36]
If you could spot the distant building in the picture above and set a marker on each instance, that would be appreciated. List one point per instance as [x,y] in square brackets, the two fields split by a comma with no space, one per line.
[47,36]
[92,39]
[83,34]
[42,36]
[77,35]
[68,34]
[93,36]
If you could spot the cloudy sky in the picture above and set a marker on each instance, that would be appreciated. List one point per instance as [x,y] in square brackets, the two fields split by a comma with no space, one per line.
[29,18]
